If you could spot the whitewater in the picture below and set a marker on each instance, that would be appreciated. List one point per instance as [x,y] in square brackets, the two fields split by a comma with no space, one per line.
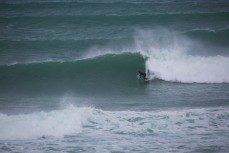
[172,57]
[68,76]
[144,128]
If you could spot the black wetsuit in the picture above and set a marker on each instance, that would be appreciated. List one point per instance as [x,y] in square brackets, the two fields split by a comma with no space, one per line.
[142,75]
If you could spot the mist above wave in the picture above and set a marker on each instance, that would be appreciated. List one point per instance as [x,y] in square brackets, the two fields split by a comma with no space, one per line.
[174,57]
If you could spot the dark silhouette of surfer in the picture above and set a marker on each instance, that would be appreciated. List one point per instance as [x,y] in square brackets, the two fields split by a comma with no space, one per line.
[142,75]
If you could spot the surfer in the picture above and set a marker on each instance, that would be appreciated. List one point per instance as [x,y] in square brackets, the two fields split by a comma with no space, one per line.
[142,75]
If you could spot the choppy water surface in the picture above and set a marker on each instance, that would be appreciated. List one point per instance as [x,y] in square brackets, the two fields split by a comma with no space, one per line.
[68,76]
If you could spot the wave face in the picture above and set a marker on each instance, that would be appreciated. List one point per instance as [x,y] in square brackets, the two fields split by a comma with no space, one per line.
[101,72]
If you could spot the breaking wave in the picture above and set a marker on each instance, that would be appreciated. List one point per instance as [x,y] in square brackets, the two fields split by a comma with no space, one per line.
[173,57]
[168,55]
[91,121]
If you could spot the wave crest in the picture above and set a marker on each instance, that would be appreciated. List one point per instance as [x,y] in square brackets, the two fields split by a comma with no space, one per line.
[173,57]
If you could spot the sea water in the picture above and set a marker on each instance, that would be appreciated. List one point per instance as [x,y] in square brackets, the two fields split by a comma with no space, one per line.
[68,76]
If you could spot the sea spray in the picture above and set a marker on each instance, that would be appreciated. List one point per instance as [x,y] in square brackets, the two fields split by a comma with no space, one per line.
[191,69]
[170,58]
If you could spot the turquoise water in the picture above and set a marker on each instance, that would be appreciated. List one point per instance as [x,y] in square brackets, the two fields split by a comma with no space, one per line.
[68,76]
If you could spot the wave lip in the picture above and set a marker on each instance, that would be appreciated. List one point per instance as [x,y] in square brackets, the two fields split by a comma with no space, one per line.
[177,58]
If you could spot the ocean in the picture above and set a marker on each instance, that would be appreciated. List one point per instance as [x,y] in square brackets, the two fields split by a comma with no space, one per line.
[68,76]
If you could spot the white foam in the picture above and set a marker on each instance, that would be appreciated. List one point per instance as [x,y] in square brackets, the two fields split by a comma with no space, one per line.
[156,122]
[170,58]
[31,61]
[42,124]
[90,121]
[191,69]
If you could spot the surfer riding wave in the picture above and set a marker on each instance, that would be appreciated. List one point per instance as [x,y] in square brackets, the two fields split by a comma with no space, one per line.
[143,75]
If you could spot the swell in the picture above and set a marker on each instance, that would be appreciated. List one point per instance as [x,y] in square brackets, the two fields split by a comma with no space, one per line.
[115,19]
[51,45]
[118,7]
[56,43]
[107,71]
[218,37]
[34,51]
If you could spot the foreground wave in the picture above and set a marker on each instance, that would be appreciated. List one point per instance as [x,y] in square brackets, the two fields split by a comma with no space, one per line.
[91,121]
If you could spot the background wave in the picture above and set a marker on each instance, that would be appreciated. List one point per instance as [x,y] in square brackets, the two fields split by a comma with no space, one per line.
[118,7]
[218,37]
